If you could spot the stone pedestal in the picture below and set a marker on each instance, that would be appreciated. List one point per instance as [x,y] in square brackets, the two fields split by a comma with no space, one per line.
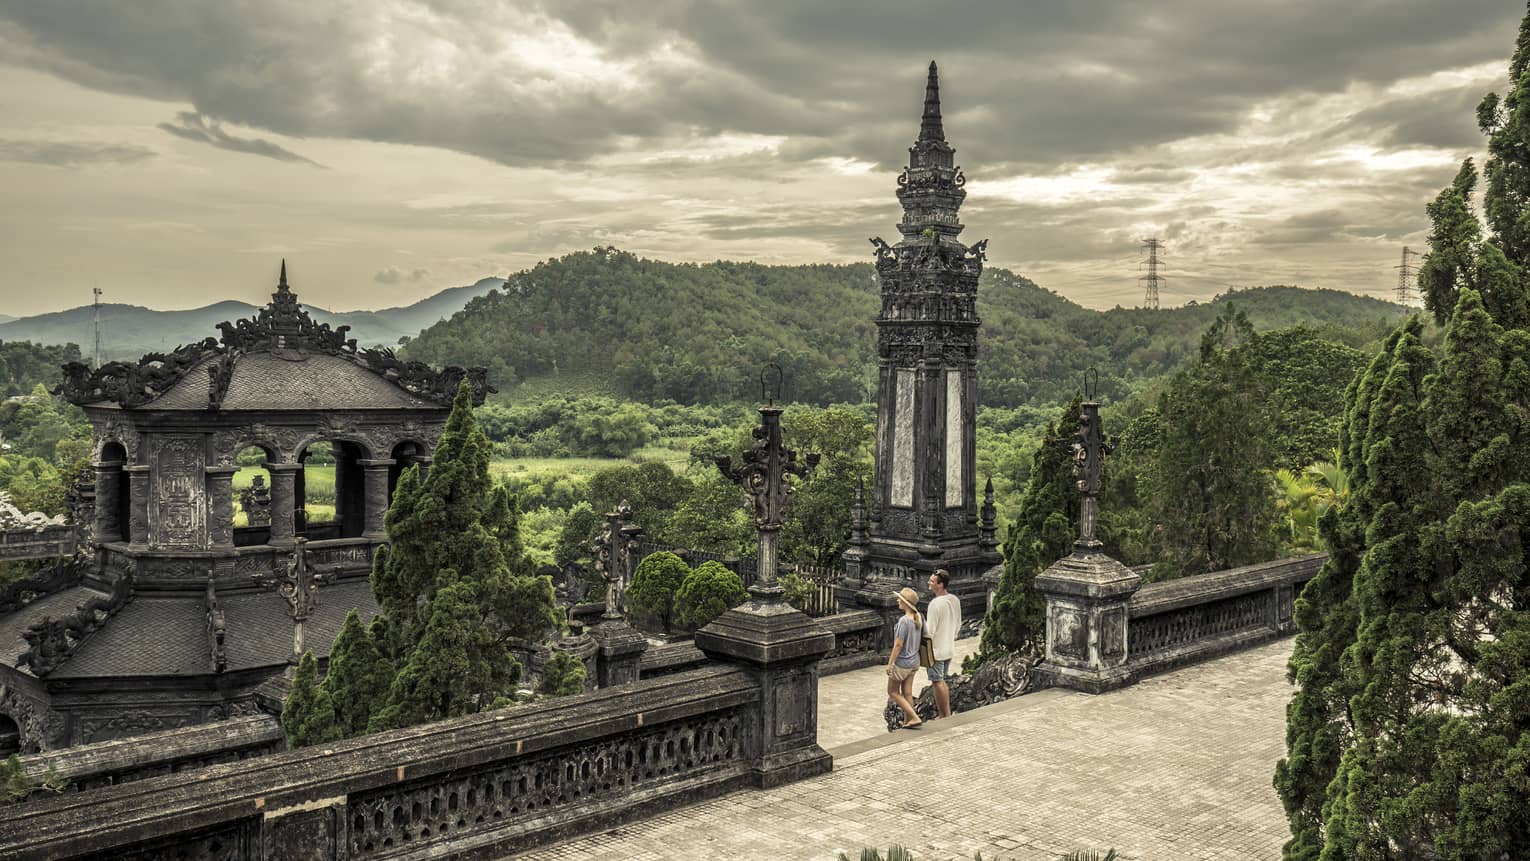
[1087,595]
[619,648]
[138,505]
[375,482]
[780,647]
[283,501]
[220,501]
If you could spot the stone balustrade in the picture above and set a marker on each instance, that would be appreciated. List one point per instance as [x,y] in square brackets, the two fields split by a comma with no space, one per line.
[110,763]
[1105,629]
[1192,619]
[482,785]
[49,542]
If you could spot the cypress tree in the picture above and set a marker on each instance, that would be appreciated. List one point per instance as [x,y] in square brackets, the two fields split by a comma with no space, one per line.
[1043,532]
[358,677]
[454,585]
[1416,741]
[308,715]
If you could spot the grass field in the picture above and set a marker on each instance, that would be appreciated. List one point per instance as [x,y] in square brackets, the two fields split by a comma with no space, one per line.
[319,489]
[584,467]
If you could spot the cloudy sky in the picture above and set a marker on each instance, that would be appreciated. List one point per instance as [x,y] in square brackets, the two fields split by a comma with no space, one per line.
[171,151]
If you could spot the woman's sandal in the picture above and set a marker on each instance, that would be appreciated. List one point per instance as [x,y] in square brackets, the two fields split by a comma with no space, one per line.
[919,725]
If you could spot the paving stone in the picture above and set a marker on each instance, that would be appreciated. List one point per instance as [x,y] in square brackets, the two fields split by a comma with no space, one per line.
[1177,766]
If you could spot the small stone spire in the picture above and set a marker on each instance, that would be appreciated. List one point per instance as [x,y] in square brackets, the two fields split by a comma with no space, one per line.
[930,128]
[282,283]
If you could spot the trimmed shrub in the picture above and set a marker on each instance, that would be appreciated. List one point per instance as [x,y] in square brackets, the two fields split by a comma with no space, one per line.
[708,592]
[654,585]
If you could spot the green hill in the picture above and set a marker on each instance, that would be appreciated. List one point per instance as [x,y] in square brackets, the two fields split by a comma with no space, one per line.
[701,333]
[129,331]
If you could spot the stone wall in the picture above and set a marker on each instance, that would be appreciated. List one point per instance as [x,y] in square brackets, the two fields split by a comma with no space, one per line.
[45,543]
[124,760]
[482,785]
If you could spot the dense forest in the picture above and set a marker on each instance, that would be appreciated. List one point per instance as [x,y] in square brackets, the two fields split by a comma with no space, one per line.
[690,333]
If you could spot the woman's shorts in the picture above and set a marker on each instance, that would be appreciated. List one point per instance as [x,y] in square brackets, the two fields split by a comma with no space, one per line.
[901,673]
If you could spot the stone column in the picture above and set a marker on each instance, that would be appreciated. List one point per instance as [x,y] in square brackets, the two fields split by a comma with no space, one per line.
[138,505]
[1087,596]
[780,647]
[283,498]
[375,496]
[109,492]
[220,506]
[620,648]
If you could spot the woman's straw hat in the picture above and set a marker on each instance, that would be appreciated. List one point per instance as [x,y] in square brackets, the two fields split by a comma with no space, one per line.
[909,598]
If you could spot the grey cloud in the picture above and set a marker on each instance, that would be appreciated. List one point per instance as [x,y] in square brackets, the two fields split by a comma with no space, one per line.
[195,127]
[71,153]
[1023,85]
[393,275]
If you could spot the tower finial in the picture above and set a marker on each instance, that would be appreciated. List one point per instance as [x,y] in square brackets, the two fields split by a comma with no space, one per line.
[283,282]
[930,128]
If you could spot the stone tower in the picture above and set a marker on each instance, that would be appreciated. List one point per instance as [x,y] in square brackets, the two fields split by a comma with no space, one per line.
[924,506]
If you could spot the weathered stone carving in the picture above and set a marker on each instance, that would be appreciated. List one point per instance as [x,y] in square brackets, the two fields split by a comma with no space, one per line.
[1006,676]
[41,728]
[13,518]
[51,641]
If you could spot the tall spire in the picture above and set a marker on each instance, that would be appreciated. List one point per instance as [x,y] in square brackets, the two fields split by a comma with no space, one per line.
[283,281]
[929,126]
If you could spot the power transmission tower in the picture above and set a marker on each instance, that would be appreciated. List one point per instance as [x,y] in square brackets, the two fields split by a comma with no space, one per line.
[1151,280]
[96,321]
[1407,278]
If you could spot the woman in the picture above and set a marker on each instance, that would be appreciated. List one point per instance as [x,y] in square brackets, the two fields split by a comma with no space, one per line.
[904,659]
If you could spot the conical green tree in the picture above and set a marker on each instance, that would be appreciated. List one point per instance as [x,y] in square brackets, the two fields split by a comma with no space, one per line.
[308,715]
[1043,532]
[455,588]
[1417,743]
[358,677]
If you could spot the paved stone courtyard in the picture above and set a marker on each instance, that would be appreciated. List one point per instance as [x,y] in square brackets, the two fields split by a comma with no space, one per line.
[1175,768]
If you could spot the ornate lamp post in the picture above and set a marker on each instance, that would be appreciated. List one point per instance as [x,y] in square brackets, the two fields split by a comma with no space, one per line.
[1089,450]
[300,587]
[1088,593]
[615,553]
[762,474]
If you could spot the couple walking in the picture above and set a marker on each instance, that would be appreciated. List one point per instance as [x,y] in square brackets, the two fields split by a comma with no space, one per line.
[945,618]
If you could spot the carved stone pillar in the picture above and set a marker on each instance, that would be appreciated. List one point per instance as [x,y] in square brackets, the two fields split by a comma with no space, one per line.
[283,499]
[109,492]
[1087,596]
[375,494]
[138,505]
[220,506]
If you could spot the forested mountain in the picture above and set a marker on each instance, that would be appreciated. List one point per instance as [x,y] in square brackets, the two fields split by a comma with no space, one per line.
[129,331]
[699,333]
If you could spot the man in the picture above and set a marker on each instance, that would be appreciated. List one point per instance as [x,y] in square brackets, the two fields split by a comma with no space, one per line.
[943,618]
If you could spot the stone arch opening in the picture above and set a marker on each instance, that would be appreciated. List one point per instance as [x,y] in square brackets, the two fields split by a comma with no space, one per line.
[330,491]
[113,497]
[252,496]
[405,454]
[10,736]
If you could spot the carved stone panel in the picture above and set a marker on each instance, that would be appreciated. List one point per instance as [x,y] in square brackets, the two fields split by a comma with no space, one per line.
[1113,633]
[178,505]
[1070,632]
[903,441]
[954,438]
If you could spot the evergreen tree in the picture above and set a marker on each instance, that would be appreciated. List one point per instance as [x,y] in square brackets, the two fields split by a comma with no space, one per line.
[708,592]
[1043,533]
[654,584]
[1415,740]
[1213,495]
[358,677]
[454,584]
[308,715]
[563,675]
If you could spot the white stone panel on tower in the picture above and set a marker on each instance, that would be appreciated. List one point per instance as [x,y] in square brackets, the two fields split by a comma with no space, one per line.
[954,487]
[903,441]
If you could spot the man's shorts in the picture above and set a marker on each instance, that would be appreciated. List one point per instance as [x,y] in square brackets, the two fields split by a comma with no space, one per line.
[938,670]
